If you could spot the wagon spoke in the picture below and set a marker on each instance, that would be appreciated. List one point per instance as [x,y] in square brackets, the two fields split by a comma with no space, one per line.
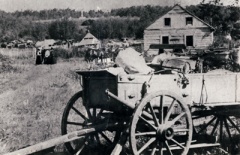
[177,143]
[106,138]
[215,127]
[168,147]
[145,133]
[89,113]
[146,145]
[75,123]
[79,113]
[221,129]
[227,128]
[82,145]
[154,150]
[80,149]
[161,110]
[160,148]
[100,113]
[153,114]
[146,121]
[181,130]
[233,124]
[197,117]
[177,118]
[205,126]
[94,113]
[91,139]
[170,109]
[96,137]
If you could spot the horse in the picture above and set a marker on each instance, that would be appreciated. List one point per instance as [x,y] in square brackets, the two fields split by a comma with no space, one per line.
[102,56]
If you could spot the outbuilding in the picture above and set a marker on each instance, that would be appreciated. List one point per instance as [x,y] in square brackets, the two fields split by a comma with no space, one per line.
[89,41]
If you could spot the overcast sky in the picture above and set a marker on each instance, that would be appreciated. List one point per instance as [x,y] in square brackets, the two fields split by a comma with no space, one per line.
[13,5]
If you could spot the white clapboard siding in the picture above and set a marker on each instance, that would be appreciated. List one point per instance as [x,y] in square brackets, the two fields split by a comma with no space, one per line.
[202,32]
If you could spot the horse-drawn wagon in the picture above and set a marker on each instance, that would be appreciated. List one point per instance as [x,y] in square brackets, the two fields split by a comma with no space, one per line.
[160,113]
[149,113]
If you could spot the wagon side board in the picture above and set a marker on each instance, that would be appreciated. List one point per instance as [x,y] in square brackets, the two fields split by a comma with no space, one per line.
[208,89]
[130,86]
[215,89]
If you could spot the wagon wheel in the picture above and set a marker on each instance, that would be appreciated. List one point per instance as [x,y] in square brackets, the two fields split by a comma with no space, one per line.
[161,124]
[76,116]
[218,122]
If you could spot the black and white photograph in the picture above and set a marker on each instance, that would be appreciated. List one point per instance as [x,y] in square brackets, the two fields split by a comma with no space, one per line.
[118,77]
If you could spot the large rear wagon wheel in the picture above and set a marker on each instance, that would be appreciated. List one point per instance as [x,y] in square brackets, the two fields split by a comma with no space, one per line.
[161,124]
[221,123]
[76,116]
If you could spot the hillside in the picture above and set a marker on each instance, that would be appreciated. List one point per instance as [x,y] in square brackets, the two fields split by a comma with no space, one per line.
[33,98]
[39,25]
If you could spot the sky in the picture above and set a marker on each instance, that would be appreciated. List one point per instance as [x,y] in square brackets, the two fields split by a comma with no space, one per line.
[85,5]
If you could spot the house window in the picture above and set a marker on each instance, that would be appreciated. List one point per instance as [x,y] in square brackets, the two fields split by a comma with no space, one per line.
[167,21]
[189,40]
[189,20]
[165,40]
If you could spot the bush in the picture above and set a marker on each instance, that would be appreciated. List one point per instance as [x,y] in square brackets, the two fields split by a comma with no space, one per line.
[220,41]
[61,53]
[76,52]
[68,53]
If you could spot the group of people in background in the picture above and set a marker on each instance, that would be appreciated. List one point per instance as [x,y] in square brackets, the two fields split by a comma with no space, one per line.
[44,56]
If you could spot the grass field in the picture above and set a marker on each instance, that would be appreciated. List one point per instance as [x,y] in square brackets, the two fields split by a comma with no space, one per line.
[33,98]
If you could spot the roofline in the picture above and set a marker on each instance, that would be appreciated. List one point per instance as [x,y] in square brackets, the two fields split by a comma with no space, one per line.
[188,13]
[160,17]
[91,35]
[196,17]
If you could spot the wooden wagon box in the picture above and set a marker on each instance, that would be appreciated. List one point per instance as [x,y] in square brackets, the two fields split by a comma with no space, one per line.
[212,89]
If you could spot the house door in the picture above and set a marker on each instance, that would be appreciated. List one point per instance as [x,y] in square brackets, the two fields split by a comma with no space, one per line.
[189,40]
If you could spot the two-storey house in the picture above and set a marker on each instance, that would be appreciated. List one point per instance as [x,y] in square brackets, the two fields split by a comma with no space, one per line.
[179,26]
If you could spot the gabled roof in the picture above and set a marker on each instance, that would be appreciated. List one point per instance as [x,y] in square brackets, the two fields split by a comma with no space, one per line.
[189,14]
[89,35]
[197,17]
[89,39]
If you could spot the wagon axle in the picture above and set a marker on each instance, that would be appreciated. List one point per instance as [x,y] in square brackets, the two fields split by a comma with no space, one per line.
[165,133]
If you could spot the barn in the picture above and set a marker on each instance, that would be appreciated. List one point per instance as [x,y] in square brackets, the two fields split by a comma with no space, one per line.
[179,26]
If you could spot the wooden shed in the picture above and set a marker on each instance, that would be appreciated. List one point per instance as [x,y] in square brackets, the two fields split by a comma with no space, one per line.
[179,26]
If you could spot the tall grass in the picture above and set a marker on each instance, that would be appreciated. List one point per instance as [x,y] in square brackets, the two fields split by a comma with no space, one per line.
[33,98]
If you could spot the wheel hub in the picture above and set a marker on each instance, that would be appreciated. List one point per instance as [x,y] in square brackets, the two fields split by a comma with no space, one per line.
[165,133]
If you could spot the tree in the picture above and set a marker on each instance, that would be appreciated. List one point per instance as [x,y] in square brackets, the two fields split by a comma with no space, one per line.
[62,29]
